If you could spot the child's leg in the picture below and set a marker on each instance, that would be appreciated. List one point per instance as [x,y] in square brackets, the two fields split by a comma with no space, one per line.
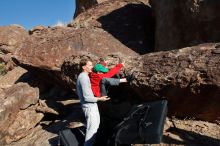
[106,82]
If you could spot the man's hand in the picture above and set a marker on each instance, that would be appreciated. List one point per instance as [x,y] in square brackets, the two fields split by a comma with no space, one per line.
[103,98]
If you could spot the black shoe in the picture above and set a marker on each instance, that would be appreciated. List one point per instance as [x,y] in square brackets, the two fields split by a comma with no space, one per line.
[130,77]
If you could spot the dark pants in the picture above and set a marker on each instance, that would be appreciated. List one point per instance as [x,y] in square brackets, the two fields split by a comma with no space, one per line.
[105,82]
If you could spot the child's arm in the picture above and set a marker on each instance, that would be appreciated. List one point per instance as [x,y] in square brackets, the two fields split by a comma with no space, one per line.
[113,71]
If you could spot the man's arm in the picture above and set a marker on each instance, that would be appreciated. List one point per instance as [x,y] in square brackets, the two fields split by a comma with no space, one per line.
[86,90]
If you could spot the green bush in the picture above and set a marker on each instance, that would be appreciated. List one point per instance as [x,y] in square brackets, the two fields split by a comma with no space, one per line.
[2,68]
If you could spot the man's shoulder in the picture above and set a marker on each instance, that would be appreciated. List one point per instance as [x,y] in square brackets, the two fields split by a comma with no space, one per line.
[82,75]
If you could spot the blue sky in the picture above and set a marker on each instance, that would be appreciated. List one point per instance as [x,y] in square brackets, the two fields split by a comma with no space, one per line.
[30,13]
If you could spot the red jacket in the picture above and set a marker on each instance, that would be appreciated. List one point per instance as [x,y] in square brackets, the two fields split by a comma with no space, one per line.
[95,78]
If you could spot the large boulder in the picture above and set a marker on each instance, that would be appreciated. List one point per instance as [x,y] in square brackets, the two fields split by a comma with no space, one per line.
[83,5]
[6,63]
[189,78]
[24,121]
[187,75]
[11,77]
[129,22]
[11,38]
[49,49]
[185,23]
[17,114]
[115,26]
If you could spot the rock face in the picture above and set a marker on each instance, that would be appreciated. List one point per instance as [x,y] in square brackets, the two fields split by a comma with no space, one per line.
[186,75]
[112,27]
[17,114]
[83,5]
[11,38]
[11,77]
[6,63]
[185,23]
[48,49]
[130,22]
[189,78]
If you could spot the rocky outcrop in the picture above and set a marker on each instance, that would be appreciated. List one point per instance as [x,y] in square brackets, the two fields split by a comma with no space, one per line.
[11,77]
[129,22]
[112,27]
[11,38]
[185,23]
[17,114]
[190,75]
[49,49]
[83,5]
[6,63]
[36,29]
[191,72]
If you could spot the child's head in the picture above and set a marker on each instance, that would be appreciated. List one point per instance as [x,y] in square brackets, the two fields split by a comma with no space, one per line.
[103,61]
[100,68]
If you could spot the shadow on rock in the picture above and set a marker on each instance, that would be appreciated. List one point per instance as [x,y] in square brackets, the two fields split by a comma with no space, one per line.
[132,25]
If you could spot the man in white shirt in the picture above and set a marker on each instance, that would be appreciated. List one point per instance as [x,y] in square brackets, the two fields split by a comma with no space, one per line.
[88,101]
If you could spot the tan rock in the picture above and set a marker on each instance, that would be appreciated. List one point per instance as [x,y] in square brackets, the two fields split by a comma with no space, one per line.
[36,29]
[25,120]
[11,38]
[11,77]
[13,108]
[101,30]
[37,137]
[6,60]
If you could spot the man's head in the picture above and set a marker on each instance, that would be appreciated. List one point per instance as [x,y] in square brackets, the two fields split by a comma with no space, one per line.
[86,65]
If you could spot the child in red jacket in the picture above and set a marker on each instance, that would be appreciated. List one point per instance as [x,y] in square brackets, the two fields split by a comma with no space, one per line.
[101,77]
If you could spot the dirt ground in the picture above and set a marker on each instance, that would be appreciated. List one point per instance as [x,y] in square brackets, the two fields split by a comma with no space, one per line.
[177,132]
[190,132]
